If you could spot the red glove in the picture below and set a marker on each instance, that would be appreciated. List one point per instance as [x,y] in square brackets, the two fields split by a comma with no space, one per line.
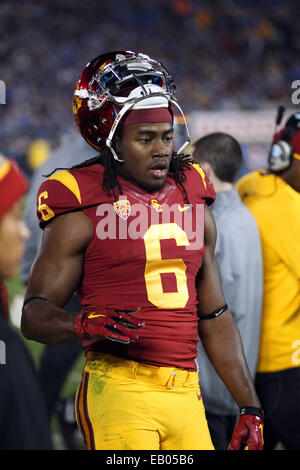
[248,433]
[108,323]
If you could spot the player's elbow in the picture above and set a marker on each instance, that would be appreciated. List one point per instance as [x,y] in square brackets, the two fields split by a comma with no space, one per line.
[27,324]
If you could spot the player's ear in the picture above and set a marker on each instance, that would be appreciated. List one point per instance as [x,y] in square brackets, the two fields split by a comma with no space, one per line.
[117,140]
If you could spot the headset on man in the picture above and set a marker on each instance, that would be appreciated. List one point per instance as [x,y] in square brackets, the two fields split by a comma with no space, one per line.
[281,151]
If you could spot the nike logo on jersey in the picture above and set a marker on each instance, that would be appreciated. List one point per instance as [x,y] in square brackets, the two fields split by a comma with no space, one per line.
[184,208]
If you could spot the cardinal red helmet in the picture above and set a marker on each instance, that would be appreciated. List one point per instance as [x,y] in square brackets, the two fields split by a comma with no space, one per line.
[112,84]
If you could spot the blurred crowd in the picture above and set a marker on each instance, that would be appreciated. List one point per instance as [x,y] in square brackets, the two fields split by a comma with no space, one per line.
[228,54]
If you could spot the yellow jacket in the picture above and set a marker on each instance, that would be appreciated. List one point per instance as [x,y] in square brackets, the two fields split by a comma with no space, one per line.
[276,208]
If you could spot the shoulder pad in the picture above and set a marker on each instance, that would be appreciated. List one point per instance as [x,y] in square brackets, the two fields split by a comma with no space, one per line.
[69,191]
[59,194]
[199,185]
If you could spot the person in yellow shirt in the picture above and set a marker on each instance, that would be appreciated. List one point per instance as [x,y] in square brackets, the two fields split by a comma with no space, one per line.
[273,197]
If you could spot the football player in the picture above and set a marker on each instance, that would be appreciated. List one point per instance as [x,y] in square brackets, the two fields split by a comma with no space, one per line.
[120,230]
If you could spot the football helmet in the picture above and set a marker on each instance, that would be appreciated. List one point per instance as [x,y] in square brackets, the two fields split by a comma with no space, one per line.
[114,83]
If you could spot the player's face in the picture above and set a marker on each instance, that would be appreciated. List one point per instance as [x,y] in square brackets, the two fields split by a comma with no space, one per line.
[13,233]
[147,151]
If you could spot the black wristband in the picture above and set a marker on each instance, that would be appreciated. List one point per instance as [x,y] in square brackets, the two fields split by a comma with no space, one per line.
[214,314]
[252,410]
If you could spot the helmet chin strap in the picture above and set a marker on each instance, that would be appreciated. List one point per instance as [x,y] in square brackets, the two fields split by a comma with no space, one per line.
[109,139]
[124,110]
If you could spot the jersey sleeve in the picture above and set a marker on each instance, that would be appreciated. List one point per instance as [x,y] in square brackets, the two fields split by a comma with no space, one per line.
[57,195]
[199,185]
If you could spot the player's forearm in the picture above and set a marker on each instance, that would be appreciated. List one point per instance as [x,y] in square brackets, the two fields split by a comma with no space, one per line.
[46,323]
[222,343]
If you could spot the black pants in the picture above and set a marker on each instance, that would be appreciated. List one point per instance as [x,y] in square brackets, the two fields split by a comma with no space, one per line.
[24,422]
[279,393]
[221,429]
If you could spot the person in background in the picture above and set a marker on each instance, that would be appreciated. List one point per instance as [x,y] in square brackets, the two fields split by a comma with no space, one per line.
[24,421]
[272,195]
[37,154]
[238,252]
[56,361]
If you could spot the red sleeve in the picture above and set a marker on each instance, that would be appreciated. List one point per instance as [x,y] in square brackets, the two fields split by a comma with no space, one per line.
[58,195]
[198,185]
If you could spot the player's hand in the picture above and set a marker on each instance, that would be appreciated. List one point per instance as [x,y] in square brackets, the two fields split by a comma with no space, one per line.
[248,433]
[110,323]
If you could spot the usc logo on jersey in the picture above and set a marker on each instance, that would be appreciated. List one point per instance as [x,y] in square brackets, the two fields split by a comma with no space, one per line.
[155,204]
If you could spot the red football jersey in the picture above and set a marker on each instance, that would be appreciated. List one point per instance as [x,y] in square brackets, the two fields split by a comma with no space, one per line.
[146,251]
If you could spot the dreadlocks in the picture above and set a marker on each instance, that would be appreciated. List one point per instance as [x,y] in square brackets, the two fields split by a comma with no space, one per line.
[178,165]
